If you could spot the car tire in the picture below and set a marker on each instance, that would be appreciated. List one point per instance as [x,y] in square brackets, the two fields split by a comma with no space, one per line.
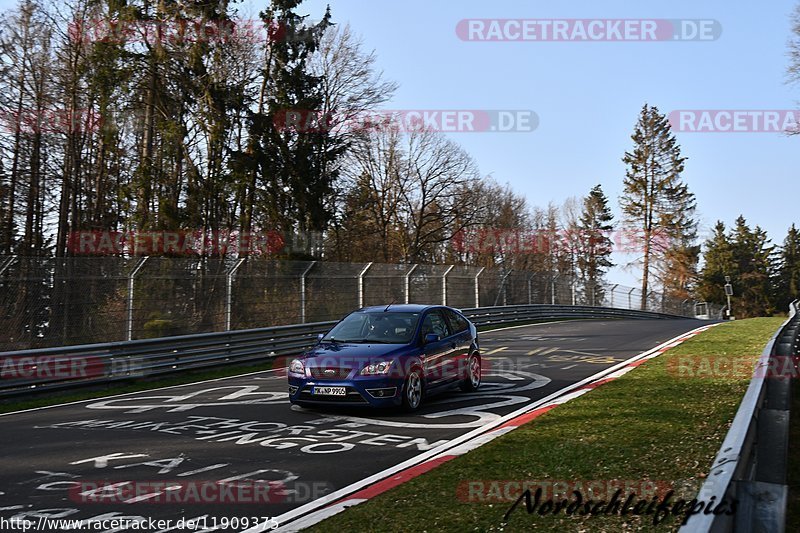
[412,391]
[472,381]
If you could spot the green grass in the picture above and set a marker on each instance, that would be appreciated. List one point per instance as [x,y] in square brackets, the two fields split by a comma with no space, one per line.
[651,424]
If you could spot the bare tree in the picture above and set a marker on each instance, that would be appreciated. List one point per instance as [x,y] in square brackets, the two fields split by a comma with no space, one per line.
[438,170]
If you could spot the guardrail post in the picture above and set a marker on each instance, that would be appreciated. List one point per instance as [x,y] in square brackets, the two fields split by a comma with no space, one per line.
[229,292]
[361,284]
[408,282]
[444,284]
[131,279]
[303,292]
[477,291]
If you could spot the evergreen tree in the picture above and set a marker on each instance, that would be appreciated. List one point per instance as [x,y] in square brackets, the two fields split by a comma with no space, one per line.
[595,244]
[789,270]
[753,259]
[718,263]
[656,203]
[294,174]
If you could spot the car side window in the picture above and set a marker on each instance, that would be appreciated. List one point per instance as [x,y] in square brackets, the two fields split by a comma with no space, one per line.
[435,323]
[458,322]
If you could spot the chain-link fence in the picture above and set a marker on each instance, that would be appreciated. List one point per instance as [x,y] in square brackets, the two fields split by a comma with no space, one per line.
[78,300]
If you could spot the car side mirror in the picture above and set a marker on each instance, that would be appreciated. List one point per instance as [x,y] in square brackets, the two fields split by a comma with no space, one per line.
[431,337]
[320,336]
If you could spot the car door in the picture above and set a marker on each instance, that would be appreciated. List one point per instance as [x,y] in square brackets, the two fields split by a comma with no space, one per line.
[461,342]
[438,363]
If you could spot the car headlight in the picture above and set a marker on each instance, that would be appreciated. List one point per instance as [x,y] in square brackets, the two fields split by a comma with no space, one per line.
[377,369]
[297,367]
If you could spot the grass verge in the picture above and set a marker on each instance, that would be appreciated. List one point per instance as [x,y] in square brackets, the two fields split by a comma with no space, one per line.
[652,424]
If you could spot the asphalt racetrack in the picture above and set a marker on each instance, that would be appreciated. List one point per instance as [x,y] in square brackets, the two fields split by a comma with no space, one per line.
[203,451]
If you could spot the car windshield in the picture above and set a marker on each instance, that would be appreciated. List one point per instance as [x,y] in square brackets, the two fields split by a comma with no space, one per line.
[381,327]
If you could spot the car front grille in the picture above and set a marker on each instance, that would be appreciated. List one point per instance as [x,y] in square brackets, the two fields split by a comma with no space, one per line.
[329,373]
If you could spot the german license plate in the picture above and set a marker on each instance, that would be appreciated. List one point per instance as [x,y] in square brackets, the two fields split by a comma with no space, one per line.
[330,391]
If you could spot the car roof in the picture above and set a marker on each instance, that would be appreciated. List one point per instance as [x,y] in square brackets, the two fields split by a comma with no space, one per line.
[403,308]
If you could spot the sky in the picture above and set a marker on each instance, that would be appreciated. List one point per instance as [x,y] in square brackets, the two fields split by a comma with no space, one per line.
[587,95]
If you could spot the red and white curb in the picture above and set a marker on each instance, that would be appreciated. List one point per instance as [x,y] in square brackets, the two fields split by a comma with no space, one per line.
[361,491]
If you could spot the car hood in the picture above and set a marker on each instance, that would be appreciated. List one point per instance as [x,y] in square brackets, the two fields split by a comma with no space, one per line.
[325,354]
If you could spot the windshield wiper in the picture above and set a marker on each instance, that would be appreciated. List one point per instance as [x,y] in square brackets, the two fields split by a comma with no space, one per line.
[367,341]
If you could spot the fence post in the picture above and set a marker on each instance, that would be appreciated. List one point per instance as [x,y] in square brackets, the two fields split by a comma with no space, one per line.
[573,292]
[612,293]
[131,278]
[553,289]
[530,292]
[444,284]
[7,264]
[407,282]
[229,292]
[361,284]
[502,288]
[303,291]
[630,304]
[477,287]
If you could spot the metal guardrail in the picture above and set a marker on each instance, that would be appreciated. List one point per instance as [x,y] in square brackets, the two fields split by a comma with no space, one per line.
[49,369]
[750,467]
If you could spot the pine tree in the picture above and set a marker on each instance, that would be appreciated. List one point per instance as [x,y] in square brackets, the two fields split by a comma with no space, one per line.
[656,202]
[718,263]
[294,171]
[753,257]
[595,244]
[789,270]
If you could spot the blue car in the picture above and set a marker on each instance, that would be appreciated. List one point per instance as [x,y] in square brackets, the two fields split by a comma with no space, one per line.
[388,356]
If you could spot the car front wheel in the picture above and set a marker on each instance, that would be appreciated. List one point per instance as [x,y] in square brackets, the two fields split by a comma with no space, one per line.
[412,391]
